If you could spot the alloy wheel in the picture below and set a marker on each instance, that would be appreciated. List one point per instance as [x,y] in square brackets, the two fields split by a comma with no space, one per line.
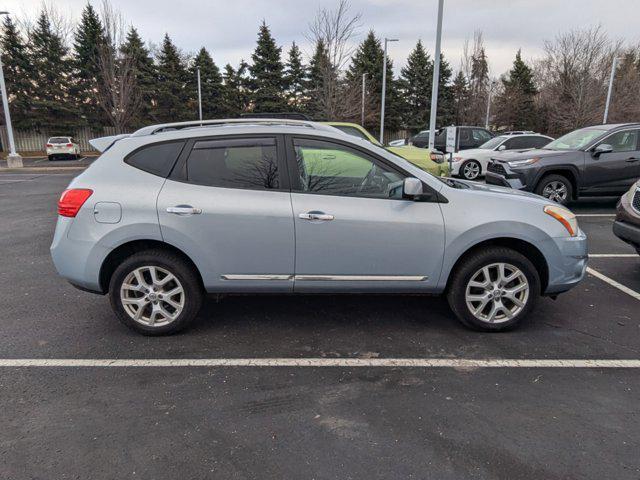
[496,293]
[556,191]
[152,296]
[471,171]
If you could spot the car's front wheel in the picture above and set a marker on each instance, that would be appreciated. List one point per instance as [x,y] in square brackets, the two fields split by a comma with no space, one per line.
[470,170]
[155,292]
[556,188]
[493,289]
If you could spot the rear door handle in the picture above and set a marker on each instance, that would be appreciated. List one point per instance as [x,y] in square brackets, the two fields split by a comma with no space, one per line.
[184,210]
[316,216]
[632,159]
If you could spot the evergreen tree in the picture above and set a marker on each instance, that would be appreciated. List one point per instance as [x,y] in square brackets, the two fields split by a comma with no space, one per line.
[415,83]
[89,41]
[460,99]
[369,59]
[18,72]
[267,74]
[296,79]
[445,115]
[515,106]
[235,97]
[52,107]
[478,88]
[318,83]
[172,97]
[211,84]
[145,72]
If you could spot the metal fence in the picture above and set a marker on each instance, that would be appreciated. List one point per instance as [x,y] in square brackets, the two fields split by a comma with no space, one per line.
[34,141]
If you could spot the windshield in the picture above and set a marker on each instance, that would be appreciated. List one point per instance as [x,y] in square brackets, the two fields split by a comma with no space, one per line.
[493,143]
[575,140]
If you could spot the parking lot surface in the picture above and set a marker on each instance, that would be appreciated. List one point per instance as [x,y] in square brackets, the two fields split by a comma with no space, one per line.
[369,421]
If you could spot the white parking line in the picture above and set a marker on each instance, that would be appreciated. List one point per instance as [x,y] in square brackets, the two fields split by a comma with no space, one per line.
[613,283]
[613,255]
[595,214]
[323,362]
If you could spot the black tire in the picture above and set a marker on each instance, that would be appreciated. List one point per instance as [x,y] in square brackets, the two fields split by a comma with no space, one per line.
[466,270]
[51,158]
[549,180]
[184,272]
[470,163]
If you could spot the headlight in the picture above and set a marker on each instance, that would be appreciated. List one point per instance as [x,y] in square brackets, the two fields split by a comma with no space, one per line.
[565,217]
[521,163]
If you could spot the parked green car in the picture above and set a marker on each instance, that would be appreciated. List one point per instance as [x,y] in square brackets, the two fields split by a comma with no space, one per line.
[420,157]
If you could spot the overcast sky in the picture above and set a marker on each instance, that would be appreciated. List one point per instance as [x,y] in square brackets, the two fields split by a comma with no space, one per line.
[228,28]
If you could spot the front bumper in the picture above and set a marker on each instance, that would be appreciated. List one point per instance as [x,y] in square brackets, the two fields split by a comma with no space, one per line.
[499,173]
[567,261]
[627,233]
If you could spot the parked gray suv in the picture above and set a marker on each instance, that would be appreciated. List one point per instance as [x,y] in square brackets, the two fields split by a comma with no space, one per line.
[173,211]
[599,160]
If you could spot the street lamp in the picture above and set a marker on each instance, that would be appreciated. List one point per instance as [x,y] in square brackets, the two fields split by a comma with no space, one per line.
[613,74]
[364,78]
[199,96]
[492,86]
[436,79]
[13,159]
[384,86]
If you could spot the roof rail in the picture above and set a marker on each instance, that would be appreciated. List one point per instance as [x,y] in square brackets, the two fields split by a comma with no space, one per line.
[167,127]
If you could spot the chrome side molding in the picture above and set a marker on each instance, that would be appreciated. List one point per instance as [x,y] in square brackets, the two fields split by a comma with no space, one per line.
[256,277]
[330,278]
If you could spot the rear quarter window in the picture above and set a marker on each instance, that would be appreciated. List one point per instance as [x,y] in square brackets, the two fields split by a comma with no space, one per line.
[157,159]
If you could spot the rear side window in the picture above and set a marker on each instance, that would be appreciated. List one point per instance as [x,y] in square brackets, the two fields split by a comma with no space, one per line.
[538,142]
[157,159]
[351,131]
[242,163]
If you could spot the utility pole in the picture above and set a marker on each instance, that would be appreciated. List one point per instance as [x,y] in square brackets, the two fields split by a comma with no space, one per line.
[436,79]
[486,119]
[384,86]
[13,159]
[199,96]
[364,77]
[613,74]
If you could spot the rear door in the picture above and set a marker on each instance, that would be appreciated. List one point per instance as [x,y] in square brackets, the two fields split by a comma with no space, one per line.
[227,205]
[618,170]
[354,231]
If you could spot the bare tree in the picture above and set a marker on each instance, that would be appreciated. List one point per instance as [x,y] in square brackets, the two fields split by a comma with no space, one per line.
[625,99]
[333,30]
[117,91]
[475,68]
[572,78]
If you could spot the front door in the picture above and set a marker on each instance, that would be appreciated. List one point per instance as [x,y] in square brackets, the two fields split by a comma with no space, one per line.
[618,170]
[354,231]
[227,206]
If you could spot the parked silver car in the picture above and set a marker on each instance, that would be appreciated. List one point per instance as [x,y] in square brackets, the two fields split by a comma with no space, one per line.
[173,211]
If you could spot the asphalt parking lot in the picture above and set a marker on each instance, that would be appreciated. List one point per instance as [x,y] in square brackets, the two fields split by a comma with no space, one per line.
[319,419]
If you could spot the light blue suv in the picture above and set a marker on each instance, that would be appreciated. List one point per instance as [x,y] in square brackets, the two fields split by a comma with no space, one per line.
[174,211]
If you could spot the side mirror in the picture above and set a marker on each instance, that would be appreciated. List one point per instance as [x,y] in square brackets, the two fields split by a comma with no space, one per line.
[411,187]
[502,147]
[602,148]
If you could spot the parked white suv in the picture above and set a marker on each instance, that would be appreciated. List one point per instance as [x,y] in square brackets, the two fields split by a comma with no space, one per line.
[62,147]
[471,164]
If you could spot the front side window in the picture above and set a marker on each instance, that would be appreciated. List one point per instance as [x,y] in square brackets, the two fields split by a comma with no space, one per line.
[333,169]
[538,142]
[480,135]
[575,140]
[241,163]
[625,141]
[495,142]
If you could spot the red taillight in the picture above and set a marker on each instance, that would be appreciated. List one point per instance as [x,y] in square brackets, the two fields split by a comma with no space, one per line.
[49,145]
[69,144]
[72,200]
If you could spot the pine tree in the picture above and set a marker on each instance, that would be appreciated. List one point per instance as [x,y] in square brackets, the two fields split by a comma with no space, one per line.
[235,95]
[369,59]
[52,107]
[89,40]
[146,75]
[296,79]
[172,97]
[460,99]
[18,72]
[445,113]
[415,83]
[267,74]
[318,90]
[478,88]
[211,84]
[515,106]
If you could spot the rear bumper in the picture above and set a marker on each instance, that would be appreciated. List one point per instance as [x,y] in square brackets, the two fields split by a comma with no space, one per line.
[61,151]
[627,233]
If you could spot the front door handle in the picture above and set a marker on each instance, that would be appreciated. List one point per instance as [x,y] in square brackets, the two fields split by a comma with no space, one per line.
[316,216]
[184,210]
[632,159]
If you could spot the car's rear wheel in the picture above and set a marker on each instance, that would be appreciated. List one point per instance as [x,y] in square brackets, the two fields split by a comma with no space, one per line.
[470,170]
[493,289]
[556,188]
[155,292]
[51,157]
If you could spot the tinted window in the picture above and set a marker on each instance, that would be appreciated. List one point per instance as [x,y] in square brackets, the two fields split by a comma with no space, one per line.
[464,134]
[333,169]
[481,135]
[58,140]
[158,158]
[242,163]
[538,142]
[520,143]
[624,141]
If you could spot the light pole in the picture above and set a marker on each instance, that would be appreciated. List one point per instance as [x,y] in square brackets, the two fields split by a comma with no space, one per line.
[486,119]
[199,96]
[364,78]
[613,74]
[13,159]
[384,86]
[436,79]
